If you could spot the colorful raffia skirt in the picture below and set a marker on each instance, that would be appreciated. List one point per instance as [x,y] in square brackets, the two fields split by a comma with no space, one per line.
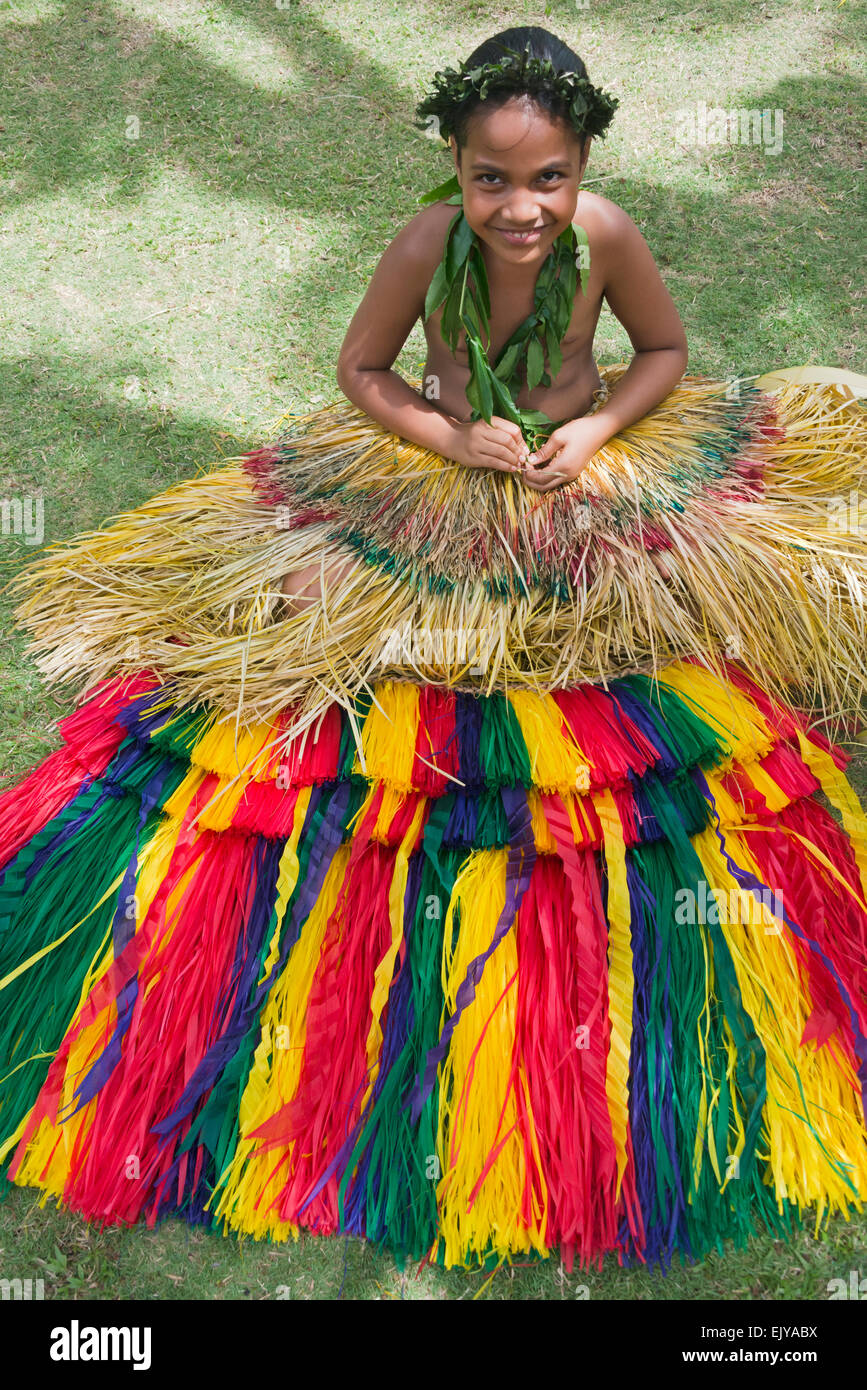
[507,900]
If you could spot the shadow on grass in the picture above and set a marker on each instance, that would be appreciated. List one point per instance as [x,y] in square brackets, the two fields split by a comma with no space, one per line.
[66,122]
[764,247]
[100,452]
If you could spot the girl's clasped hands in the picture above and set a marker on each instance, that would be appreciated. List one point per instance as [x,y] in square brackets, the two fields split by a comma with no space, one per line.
[500,444]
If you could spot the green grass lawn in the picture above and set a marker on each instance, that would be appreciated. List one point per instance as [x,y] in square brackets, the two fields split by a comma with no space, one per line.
[77,1261]
[193,196]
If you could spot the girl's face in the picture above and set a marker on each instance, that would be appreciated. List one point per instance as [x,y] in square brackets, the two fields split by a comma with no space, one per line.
[519,172]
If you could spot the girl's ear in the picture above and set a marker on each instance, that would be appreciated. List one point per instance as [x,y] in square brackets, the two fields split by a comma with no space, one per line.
[453,146]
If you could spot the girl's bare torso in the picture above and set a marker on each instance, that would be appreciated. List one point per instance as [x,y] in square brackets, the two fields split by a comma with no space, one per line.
[512,294]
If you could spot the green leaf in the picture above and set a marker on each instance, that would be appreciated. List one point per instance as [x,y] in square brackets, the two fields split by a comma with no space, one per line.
[535,417]
[560,315]
[441,274]
[480,280]
[483,377]
[535,363]
[471,319]
[451,320]
[458,245]
[555,356]
[579,107]
[546,279]
[507,362]
[437,290]
[438,195]
[568,285]
[505,405]
[472,394]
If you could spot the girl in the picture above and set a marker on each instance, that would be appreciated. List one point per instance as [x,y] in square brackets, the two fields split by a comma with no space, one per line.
[474,888]
[519,165]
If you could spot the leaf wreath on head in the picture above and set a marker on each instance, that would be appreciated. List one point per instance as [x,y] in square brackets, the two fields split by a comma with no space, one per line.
[533,352]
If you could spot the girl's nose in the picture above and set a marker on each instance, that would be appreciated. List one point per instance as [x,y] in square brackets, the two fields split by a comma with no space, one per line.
[523,210]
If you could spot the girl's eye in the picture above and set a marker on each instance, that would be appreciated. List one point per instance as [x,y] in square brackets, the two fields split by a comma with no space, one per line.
[554,174]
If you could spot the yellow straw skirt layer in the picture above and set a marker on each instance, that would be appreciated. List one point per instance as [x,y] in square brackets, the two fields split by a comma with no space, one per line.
[720,524]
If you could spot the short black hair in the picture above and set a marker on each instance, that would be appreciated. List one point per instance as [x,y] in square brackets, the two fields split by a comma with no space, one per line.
[539,43]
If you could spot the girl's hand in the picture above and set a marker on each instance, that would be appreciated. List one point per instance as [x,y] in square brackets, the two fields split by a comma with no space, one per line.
[564,455]
[499,444]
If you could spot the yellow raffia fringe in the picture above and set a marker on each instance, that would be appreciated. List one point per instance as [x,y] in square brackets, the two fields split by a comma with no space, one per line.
[776,799]
[737,1131]
[728,810]
[849,385]
[543,839]
[177,805]
[775,579]
[477,1110]
[808,1088]
[388,738]
[557,762]
[254,1177]
[731,713]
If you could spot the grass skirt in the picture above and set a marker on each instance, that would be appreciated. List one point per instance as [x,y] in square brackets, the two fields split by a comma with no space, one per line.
[744,495]
[563,949]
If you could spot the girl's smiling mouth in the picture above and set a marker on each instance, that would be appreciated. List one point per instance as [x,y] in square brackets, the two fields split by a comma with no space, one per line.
[525,238]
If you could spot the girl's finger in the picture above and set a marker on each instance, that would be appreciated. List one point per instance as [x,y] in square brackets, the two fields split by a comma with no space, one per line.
[549,469]
[509,433]
[516,446]
[548,449]
[546,484]
[513,430]
[504,459]
[502,446]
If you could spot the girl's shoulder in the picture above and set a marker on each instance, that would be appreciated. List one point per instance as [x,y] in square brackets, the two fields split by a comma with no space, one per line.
[425,234]
[617,245]
[600,216]
[417,249]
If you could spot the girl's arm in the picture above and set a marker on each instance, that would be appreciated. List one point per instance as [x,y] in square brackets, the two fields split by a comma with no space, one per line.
[636,296]
[381,325]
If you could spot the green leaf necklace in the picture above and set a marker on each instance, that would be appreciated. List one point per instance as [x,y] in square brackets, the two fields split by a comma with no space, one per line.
[460,282]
